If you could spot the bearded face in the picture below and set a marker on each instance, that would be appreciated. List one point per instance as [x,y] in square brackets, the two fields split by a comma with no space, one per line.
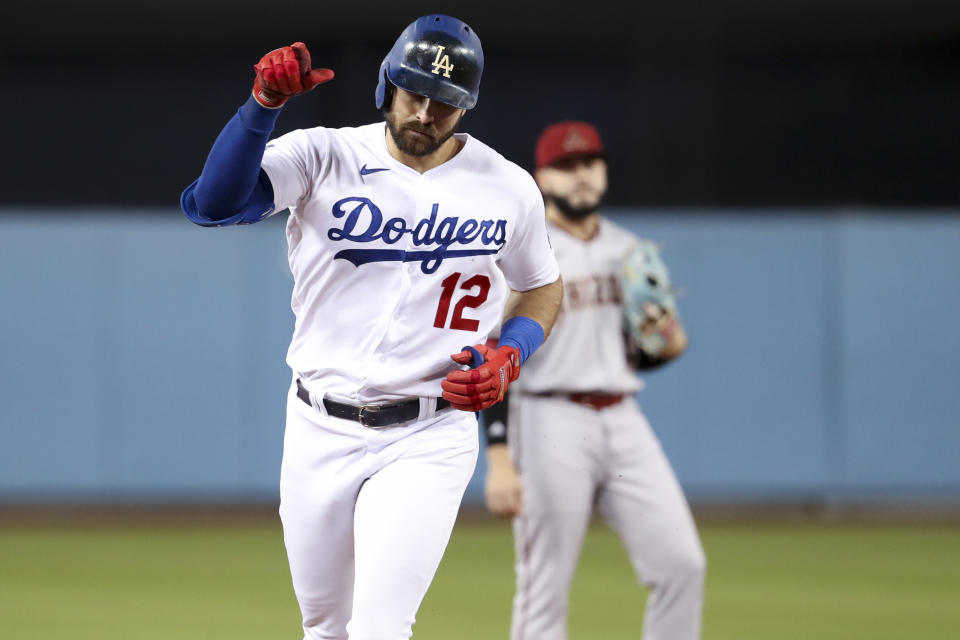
[576,186]
[419,126]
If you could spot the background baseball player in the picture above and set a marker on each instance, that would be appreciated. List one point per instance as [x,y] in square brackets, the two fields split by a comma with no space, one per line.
[404,238]
[576,435]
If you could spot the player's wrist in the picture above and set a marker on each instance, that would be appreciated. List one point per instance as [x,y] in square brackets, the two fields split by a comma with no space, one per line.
[497,450]
[258,118]
[523,334]
[498,457]
[267,99]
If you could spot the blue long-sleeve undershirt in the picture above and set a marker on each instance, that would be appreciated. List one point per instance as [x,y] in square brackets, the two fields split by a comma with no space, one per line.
[233,189]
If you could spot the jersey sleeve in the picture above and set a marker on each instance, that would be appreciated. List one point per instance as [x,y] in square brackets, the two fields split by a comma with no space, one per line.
[528,260]
[294,162]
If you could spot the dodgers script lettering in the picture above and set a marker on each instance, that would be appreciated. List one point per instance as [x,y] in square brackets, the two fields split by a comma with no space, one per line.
[363,221]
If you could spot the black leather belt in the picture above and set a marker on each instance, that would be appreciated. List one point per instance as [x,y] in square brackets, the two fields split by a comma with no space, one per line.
[375,416]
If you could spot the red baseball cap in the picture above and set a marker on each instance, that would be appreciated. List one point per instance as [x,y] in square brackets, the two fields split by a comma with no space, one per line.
[566,140]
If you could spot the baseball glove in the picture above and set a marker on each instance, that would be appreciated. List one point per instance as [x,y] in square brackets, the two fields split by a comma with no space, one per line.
[649,300]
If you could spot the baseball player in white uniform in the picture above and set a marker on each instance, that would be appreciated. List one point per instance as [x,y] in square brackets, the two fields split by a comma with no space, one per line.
[405,239]
[576,438]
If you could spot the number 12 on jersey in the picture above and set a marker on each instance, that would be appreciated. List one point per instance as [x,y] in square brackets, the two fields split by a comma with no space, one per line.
[449,286]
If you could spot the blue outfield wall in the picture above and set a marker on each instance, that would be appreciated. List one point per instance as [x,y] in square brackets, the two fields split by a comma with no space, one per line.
[142,358]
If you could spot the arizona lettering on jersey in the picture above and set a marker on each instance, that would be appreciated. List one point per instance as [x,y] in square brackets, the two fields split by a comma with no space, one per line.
[435,254]
[591,291]
[586,350]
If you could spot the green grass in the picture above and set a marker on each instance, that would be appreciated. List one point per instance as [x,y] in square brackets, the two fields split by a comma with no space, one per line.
[231,583]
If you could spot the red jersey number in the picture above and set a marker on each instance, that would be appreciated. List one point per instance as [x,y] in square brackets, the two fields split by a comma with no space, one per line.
[448,287]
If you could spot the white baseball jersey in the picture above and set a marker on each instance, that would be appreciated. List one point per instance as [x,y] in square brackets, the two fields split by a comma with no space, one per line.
[395,270]
[586,350]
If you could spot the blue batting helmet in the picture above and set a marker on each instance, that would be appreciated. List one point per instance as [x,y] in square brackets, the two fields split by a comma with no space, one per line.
[438,57]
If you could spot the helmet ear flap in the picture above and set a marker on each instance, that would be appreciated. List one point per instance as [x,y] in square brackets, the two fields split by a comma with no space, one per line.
[388,91]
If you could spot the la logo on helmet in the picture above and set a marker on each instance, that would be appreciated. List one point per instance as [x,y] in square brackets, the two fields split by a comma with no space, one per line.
[442,64]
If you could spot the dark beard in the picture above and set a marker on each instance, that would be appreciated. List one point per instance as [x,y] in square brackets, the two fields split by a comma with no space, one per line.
[572,211]
[414,148]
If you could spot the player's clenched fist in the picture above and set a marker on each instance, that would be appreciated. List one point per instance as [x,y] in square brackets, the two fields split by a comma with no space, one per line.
[484,385]
[286,72]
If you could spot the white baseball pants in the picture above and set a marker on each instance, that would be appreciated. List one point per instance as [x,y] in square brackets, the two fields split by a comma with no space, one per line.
[572,458]
[367,515]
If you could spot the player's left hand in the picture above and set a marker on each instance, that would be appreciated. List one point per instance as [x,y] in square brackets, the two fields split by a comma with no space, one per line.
[484,385]
[657,326]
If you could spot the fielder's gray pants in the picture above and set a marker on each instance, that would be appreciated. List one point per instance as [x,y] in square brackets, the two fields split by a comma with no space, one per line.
[572,458]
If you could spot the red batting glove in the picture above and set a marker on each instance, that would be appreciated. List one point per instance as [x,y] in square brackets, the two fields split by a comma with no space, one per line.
[286,72]
[483,386]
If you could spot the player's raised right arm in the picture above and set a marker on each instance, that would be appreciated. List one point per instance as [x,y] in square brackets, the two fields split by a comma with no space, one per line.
[233,189]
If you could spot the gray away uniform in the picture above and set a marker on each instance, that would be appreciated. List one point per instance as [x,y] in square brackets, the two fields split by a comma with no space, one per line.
[579,441]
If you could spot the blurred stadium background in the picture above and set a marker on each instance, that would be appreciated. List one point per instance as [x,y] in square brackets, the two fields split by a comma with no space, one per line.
[799,160]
